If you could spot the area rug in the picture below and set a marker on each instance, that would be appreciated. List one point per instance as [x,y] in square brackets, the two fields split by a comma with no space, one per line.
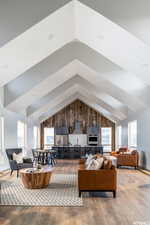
[62,191]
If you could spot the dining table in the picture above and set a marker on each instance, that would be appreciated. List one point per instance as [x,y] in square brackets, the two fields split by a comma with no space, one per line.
[46,156]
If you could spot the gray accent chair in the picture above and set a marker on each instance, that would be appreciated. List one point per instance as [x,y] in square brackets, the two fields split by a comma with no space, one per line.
[27,163]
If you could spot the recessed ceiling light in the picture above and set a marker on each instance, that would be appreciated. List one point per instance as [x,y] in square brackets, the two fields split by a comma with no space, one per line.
[50,37]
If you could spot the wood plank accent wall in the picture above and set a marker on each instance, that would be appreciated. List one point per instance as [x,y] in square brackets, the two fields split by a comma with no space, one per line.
[78,110]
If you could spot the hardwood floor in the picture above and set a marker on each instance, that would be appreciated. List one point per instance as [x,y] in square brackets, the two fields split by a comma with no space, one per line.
[131,205]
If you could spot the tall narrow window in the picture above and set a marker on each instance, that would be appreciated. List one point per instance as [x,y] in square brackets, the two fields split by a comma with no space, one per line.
[132,134]
[2,157]
[38,131]
[35,137]
[119,136]
[21,132]
[48,137]
[1,134]
[106,138]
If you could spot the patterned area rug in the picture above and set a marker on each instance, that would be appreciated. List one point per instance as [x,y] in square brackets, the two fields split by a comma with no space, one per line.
[62,191]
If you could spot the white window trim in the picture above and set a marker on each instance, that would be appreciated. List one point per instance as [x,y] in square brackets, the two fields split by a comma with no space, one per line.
[24,144]
[48,145]
[105,145]
[39,136]
[2,140]
[130,133]
[118,136]
[35,136]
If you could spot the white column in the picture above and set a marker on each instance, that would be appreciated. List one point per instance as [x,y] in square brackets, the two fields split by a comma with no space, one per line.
[3,158]
[29,136]
[1,101]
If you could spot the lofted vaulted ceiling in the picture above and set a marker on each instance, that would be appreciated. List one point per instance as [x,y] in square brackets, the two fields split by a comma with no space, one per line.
[57,51]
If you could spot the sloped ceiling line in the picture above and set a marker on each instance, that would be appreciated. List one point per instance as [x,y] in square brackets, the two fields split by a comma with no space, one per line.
[15,92]
[93,90]
[65,55]
[74,88]
[76,21]
[73,68]
[67,101]
[38,42]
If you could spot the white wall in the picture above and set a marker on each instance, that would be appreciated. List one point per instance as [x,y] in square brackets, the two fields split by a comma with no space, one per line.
[10,129]
[10,121]
[30,136]
[10,132]
[143,135]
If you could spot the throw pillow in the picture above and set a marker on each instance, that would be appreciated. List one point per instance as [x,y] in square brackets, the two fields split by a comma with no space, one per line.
[99,163]
[95,164]
[90,157]
[107,164]
[99,156]
[18,157]
[90,165]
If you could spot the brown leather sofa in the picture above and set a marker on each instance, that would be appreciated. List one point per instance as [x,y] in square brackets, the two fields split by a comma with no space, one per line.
[97,180]
[127,158]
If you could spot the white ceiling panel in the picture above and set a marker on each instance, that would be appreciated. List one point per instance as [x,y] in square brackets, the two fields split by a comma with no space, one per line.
[36,43]
[67,72]
[112,64]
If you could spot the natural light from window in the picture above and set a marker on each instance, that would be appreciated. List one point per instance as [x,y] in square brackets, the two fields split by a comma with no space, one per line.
[48,137]
[35,137]
[1,134]
[2,158]
[119,136]
[21,130]
[132,134]
[106,138]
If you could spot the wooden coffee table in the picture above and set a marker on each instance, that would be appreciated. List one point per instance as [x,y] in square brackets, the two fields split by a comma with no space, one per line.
[36,179]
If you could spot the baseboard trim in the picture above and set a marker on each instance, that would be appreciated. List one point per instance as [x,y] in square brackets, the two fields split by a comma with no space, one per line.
[4,172]
[4,169]
[145,171]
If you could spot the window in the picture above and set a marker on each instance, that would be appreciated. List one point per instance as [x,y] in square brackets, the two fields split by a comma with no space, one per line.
[48,137]
[2,147]
[21,133]
[35,137]
[1,134]
[119,136]
[38,137]
[106,138]
[132,134]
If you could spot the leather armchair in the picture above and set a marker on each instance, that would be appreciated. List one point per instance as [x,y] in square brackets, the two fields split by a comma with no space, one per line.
[27,163]
[97,180]
[128,159]
[121,150]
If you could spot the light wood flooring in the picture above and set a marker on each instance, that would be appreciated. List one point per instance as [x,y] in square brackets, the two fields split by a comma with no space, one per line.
[131,205]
